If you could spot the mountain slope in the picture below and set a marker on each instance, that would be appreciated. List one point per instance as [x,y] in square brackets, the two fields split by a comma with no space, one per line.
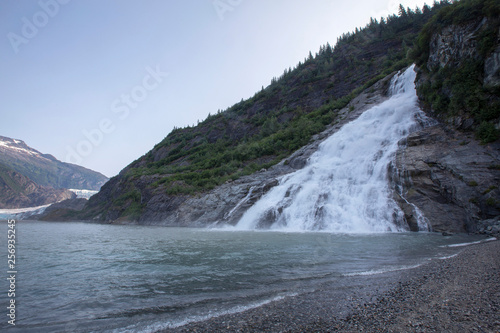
[45,169]
[261,131]
[18,191]
[215,171]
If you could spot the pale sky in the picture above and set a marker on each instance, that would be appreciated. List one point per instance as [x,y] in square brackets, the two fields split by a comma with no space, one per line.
[100,82]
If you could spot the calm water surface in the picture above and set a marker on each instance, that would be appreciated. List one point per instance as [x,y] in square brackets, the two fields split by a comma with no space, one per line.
[88,277]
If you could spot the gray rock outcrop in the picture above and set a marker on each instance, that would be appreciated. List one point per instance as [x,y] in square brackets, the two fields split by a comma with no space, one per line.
[458,43]
[452,179]
[454,44]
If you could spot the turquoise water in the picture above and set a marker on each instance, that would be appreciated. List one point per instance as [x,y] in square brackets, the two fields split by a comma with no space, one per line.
[88,277]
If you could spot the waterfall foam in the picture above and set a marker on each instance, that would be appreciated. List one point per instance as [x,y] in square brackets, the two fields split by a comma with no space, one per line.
[344,187]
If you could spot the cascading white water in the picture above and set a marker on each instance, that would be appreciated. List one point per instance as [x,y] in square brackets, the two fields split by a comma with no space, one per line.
[344,187]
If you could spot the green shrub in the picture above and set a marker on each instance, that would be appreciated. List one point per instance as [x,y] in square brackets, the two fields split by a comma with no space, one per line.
[489,189]
[133,211]
[474,201]
[491,202]
[486,132]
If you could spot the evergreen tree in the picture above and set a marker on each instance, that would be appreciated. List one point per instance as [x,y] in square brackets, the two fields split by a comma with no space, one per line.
[402,11]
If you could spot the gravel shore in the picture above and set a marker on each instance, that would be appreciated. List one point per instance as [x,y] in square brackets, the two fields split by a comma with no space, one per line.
[458,294]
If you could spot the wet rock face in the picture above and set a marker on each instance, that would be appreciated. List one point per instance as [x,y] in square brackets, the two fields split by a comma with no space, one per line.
[453,180]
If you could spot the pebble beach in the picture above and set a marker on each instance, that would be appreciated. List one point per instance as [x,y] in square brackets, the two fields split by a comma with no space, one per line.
[456,294]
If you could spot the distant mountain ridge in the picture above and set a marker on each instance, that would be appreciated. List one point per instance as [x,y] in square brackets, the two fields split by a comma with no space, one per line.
[18,191]
[45,169]
[29,178]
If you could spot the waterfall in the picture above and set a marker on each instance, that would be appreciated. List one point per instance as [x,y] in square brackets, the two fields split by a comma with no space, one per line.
[344,187]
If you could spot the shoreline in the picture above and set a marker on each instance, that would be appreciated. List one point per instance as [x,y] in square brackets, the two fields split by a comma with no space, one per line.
[460,293]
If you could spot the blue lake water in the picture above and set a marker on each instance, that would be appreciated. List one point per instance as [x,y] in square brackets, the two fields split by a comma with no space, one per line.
[84,277]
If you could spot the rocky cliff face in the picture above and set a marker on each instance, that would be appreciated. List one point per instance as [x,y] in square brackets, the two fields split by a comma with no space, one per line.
[449,178]
[454,44]
[457,44]
[459,81]
[443,172]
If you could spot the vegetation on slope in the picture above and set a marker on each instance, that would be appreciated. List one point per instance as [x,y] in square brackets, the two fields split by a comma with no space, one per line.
[458,90]
[276,121]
